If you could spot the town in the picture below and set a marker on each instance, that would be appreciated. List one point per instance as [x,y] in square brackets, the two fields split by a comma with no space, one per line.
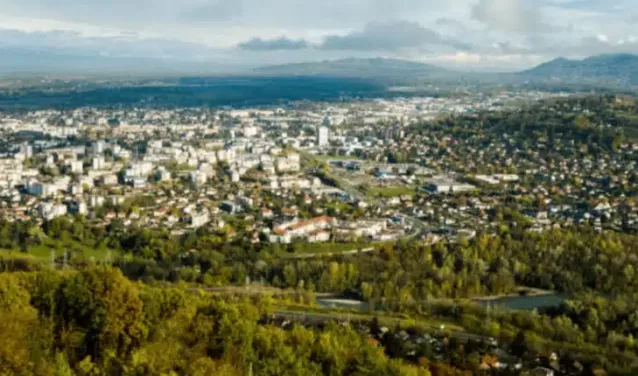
[366,171]
[336,199]
[278,188]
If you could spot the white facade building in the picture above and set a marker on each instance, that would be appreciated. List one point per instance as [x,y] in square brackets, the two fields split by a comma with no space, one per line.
[98,147]
[49,210]
[199,219]
[76,167]
[323,136]
[96,201]
[98,163]
[289,163]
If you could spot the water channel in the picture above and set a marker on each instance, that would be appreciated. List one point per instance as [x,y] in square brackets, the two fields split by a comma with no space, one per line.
[523,303]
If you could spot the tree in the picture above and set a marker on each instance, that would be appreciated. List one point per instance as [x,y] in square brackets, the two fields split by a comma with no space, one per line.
[19,328]
[617,142]
[105,309]
[581,122]
[519,346]
[290,275]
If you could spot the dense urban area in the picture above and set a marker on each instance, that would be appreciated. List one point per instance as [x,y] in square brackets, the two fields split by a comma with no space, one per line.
[481,233]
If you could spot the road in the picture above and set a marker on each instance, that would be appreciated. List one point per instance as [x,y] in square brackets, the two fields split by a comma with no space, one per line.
[356,194]
[327,254]
[314,318]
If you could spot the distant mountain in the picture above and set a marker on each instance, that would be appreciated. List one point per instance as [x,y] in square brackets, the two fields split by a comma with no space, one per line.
[618,69]
[604,71]
[362,68]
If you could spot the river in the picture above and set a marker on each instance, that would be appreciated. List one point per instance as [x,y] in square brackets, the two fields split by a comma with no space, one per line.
[522,303]
[527,303]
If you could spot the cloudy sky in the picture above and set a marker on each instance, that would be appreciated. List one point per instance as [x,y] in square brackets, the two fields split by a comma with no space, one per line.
[470,34]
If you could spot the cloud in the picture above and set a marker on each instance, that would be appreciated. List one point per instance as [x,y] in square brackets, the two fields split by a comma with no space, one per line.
[215,11]
[281,43]
[601,44]
[155,14]
[581,47]
[451,24]
[509,48]
[389,36]
[125,45]
[280,31]
[508,15]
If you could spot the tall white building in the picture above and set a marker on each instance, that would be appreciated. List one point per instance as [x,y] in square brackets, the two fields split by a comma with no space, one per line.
[139,169]
[76,167]
[98,147]
[323,136]
[98,163]
[27,150]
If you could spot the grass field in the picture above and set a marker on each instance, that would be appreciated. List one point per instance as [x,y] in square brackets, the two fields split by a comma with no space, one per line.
[305,250]
[43,252]
[388,192]
[336,157]
[322,248]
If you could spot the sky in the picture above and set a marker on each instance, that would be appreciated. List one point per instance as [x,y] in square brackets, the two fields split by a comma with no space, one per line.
[496,35]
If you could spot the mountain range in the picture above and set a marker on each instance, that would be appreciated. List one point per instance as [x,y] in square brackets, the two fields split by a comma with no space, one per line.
[618,69]
[621,69]
[603,70]
[363,68]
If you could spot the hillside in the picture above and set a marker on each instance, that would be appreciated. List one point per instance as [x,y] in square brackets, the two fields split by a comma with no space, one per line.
[367,68]
[597,71]
[619,69]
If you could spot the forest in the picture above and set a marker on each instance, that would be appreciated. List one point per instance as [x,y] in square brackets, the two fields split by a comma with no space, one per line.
[598,324]
[97,322]
[602,122]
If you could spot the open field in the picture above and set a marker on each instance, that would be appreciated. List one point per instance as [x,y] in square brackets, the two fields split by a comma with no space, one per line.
[42,252]
[310,250]
[388,192]
[336,157]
